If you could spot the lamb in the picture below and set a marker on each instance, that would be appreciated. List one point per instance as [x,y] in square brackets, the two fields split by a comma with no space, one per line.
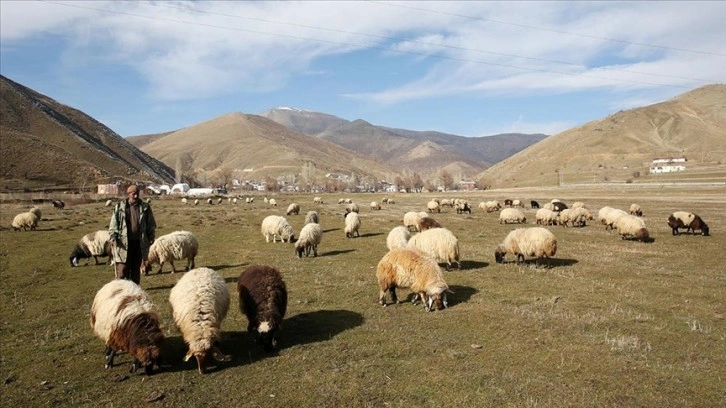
[375,206]
[263,300]
[412,219]
[293,209]
[209,201]
[94,244]
[636,210]
[534,204]
[438,243]
[546,217]
[25,221]
[37,212]
[512,216]
[630,226]
[200,302]
[427,223]
[124,317]
[311,217]
[310,236]
[317,200]
[398,237]
[276,226]
[689,221]
[408,268]
[433,206]
[169,247]
[58,204]
[184,200]
[352,225]
[521,242]
[273,202]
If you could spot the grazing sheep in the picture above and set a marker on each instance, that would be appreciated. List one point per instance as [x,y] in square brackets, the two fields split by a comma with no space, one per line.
[310,236]
[58,204]
[427,223]
[109,203]
[341,201]
[37,212]
[375,206]
[25,221]
[94,244]
[512,216]
[184,200]
[169,247]
[263,300]
[266,200]
[546,217]
[549,206]
[348,201]
[411,219]
[490,206]
[384,200]
[352,225]
[352,207]
[445,202]
[534,204]
[249,200]
[636,210]
[536,241]
[196,201]
[508,202]
[293,209]
[209,201]
[438,243]
[690,221]
[433,206]
[558,206]
[391,201]
[398,237]
[462,206]
[124,317]
[631,227]
[517,203]
[577,216]
[219,201]
[199,302]
[234,200]
[408,268]
[276,226]
[578,204]
[608,216]
[317,200]
[273,202]
[312,217]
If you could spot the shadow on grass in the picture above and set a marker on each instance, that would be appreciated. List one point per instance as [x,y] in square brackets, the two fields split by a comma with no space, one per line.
[471,265]
[331,230]
[338,252]
[371,234]
[461,294]
[223,267]
[546,264]
[314,327]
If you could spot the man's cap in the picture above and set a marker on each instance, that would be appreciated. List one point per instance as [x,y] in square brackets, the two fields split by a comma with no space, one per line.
[132,189]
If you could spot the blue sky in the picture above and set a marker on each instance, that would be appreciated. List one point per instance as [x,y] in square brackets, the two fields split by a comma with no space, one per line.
[467,68]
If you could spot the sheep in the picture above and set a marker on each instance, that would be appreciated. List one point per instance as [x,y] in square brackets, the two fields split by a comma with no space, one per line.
[317,200]
[689,221]
[184,200]
[200,302]
[512,216]
[608,216]
[411,219]
[273,202]
[352,225]
[234,200]
[266,200]
[558,206]
[25,221]
[462,206]
[312,217]
[196,201]
[276,226]
[58,204]
[578,204]
[636,210]
[219,201]
[37,212]
[263,300]
[384,200]
[433,206]
[549,206]
[293,209]
[391,201]
[409,268]
[109,203]
[125,318]
[248,200]
[546,217]
[534,204]
[169,247]
[341,201]
[426,223]
[577,216]
[517,203]
[94,244]
[348,201]
[508,202]
[630,226]
[375,206]
[490,206]
[438,243]
[521,242]
[209,201]
[398,237]
[352,207]
[445,202]
[310,236]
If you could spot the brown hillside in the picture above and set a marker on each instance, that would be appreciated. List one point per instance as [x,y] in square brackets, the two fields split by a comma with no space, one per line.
[46,144]
[255,147]
[621,147]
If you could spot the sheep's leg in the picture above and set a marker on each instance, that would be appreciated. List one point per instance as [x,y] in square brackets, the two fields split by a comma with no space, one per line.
[392,291]
[161,265]
[315,250]
[109,354]
[520,258]
[173,269]
[96,259]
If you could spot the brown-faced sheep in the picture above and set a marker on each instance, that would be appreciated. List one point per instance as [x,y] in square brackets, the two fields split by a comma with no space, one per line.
[408,268]
[636,210]
[690,221]
[631,227]
[94,244]
[199,303]
[263,300]
[438,243]
[536,241]
[125,318]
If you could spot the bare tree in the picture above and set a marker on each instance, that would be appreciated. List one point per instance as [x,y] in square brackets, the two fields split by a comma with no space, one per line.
[447,180]
[271,184]
[225,175]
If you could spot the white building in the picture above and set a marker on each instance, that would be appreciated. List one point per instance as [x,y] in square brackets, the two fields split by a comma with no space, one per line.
[667,165]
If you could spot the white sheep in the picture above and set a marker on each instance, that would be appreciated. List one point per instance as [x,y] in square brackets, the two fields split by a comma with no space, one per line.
[546,217]
[199,302]
[411,219]
[184,200]
[491,206]
[109,203]
[398,237]
[578,204]
[438,243]
[276,226]
[125,318]
[196,201]
[433,206]
[94,244]
[317,200]
[512,216]
[353,207]
[408,268]
[219,201]
[273,202]
[536,241]
[631,226]
[609,216]
[25,221]
[37,212]
[209,201]
[375,206]
[293,209]
[310,236]
[312,217]
[352,225]
[636,210]
[170,247]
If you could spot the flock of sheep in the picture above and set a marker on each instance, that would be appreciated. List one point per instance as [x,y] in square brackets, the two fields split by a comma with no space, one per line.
[125,318]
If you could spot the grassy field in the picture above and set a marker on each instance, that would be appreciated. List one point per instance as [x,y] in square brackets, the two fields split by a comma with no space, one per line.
[609,323]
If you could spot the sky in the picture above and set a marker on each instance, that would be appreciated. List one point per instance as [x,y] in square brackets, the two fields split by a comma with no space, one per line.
[471,68]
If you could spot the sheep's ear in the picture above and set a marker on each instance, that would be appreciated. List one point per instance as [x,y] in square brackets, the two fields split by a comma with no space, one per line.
[189,355]
[449,291]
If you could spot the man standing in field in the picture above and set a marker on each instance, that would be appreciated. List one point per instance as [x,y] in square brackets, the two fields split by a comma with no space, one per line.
[132,230]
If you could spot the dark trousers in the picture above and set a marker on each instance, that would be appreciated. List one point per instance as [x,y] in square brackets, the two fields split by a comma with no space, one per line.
[131,270]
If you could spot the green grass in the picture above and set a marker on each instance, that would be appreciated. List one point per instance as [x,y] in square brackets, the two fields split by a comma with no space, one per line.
[611,323]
